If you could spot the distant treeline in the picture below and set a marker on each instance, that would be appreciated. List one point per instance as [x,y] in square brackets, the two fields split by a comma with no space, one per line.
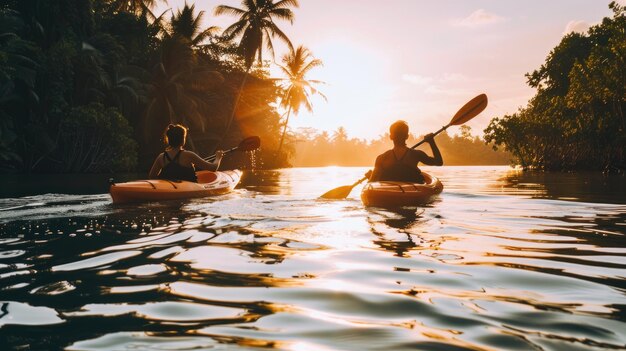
[313,149]
[576,119]
[90,85]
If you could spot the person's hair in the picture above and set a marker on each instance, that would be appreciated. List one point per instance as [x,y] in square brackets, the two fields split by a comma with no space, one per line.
[175,135]
[399,132]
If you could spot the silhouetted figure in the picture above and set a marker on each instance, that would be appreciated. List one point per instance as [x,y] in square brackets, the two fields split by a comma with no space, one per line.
[400,163]
[176,163]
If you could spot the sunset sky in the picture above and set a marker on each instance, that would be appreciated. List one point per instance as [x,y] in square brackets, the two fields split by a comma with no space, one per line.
[420,60]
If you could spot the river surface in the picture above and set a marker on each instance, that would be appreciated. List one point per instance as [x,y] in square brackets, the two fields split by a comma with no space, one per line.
[502,260]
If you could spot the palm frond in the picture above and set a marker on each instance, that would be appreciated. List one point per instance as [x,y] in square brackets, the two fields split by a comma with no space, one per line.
[275,31]
[317,92]
[283,14]
[309,66]
[202,36]
[198,20]
[286,3]
[125,91]
[228,10]
[269,44]
[317,81]
[286,71]
[252,5]
[234,30]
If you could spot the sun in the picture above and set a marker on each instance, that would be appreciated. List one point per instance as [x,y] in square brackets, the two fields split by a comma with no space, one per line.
[357,88]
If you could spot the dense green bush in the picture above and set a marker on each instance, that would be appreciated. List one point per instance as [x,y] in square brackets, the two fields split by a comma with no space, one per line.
[75,74]
[576,120]
[94,138]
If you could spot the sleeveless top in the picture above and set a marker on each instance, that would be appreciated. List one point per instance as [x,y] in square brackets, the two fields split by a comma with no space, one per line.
[401,172]
[174,171]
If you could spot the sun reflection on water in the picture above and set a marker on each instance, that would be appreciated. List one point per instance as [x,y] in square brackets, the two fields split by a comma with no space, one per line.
[499,261]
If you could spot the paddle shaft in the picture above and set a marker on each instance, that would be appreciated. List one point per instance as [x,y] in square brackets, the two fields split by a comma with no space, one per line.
[360,181]
[470,110]
[212,157]
[247,144]
[434,134]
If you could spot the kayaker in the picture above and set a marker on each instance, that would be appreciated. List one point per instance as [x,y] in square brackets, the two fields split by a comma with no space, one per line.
[400,163]
[176,163]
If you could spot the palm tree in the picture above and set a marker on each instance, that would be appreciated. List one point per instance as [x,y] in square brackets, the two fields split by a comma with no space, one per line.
[182,88]
[340,135]
[186,25]
[100,76]
[297,90]
[256,27]
[20,98]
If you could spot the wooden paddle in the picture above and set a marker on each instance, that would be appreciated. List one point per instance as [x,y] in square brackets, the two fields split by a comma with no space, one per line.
[247,144]
[470,110]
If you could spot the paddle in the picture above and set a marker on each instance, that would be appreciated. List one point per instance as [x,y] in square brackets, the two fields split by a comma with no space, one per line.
[343,191]
[470,110]
[247,144]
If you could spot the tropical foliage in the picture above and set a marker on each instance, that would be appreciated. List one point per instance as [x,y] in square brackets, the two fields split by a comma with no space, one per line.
[313,149]
[296,89]
[95,139]
[89,85]
[576,119]
[255,27]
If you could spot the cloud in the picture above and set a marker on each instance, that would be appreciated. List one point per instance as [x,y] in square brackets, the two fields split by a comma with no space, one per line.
[478,18]
[416,79]
[577,27]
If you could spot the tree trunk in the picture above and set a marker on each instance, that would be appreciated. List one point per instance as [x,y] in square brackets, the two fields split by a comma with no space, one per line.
[232,114]
[282,138]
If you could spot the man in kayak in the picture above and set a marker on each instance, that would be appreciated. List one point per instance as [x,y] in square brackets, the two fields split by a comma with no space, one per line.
[176,163]
[400,163]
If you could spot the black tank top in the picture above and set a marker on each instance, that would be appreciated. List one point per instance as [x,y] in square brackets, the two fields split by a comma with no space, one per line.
[174,171]
[401,172]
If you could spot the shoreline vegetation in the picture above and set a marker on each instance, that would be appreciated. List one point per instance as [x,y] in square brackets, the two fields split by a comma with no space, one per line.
[576,119]
[463,149]
[87,86]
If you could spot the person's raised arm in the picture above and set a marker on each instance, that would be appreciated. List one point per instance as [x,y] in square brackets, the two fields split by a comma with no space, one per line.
[206,165]
[156,167]
[436,160]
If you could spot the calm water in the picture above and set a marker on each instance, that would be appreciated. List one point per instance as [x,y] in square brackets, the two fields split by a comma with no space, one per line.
[502,260]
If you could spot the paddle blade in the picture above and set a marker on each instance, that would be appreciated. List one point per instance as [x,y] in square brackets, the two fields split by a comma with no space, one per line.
[338,193]
[249,144]
[470,110]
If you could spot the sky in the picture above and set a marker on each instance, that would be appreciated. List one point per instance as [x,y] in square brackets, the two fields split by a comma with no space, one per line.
[419,60]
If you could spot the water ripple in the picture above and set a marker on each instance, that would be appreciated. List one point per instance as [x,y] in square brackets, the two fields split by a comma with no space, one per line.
[502,260]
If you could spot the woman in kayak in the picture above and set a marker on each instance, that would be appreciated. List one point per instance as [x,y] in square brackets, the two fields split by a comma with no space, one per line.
[400,163]
[176,163]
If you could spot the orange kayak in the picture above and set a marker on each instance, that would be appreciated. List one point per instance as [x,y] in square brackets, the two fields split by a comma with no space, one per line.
[394,194]
[209,184]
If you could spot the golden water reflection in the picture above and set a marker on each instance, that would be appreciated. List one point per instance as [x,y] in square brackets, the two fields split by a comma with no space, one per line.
[498,261]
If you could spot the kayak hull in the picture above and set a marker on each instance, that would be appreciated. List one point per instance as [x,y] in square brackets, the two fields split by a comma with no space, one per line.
[209,184]
[396,194]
